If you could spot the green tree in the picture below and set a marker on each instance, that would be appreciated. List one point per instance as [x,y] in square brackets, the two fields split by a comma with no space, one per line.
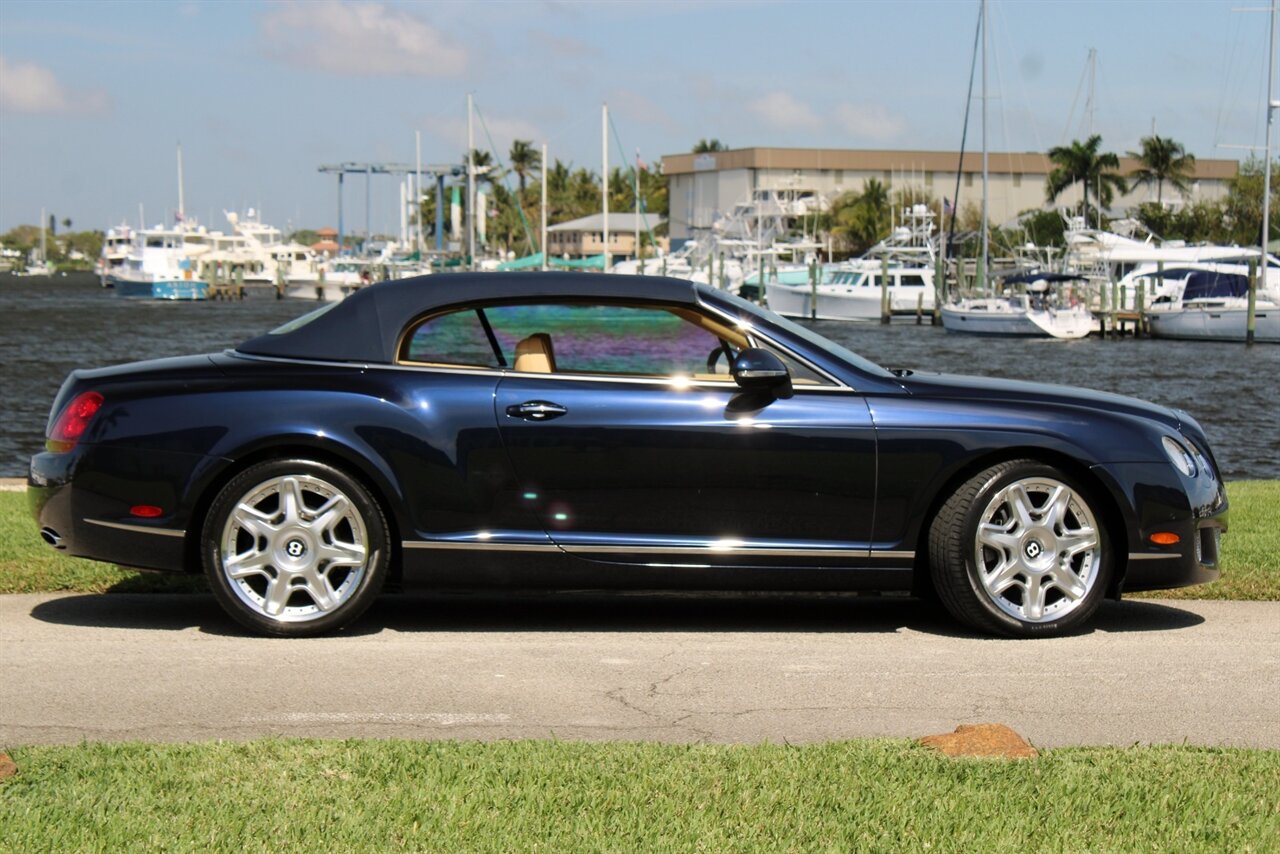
[524,161]
[1082,163]
[1043,228]
[486,171]
[859,220]
[22,238]
[1163,160]
[1242,207]
[709,146]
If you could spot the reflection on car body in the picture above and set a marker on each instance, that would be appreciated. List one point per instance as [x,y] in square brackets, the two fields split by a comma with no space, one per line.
[585,431]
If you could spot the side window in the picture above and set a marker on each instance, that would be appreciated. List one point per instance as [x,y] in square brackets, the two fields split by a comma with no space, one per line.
[451,339]
[608,339]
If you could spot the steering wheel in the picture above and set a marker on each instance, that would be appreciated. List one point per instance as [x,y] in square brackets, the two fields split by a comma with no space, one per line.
[714,356]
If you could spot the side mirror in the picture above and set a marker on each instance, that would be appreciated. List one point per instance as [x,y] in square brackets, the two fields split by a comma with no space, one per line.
[759,369]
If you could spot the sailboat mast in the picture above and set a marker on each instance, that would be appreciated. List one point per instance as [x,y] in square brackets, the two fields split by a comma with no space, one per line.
[1266,179]
[982,262]
[604,179]
[182,214]
[544,207]
[471,189]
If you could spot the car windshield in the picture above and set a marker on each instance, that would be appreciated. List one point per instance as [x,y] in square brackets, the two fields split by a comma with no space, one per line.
[813,339]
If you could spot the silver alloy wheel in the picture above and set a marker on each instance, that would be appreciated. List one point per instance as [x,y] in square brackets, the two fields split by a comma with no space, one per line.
[1037,550]
[294,548]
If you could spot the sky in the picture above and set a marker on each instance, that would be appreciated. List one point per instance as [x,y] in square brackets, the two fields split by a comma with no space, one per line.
[96,96]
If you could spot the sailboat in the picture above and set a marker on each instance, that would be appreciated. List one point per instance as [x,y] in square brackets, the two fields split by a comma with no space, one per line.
[1039,312]
[1215,300]
[38,263]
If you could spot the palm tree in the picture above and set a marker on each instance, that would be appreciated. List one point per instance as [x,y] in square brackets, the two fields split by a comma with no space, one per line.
[705,146]
[860,220]
[1081,163]
[485,168]
[524,160]
[1163,160]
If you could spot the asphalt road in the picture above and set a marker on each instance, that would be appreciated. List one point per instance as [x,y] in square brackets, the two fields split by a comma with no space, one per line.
[678,669]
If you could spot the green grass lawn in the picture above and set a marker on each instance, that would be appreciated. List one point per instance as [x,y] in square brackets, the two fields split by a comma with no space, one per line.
[1250,560]
[879,795]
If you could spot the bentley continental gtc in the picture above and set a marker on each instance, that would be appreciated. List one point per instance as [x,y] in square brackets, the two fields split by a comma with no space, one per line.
[575,431]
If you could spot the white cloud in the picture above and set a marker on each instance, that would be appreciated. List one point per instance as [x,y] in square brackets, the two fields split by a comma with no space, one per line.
[871,122]
[360,38]
[783,110]
[29,88]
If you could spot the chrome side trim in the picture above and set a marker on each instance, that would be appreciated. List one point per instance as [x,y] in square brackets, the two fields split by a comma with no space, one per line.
[473,545]
[138,529]
[732,550]
[480,546]
[1149,556]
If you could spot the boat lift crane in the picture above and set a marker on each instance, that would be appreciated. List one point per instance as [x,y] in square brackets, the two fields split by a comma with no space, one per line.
[438,171]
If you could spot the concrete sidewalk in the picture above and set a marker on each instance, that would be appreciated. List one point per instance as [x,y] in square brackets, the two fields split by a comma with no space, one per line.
[677,669]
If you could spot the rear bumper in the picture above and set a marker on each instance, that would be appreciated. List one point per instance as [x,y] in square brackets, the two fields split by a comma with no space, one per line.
[85,513]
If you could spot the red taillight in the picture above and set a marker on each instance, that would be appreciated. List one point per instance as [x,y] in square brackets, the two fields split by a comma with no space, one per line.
[73,421]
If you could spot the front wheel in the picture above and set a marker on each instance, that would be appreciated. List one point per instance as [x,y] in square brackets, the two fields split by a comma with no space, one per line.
[295,548]
[1020,550]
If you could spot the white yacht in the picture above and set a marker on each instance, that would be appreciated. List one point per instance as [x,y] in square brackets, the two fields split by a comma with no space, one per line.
[1041,312]
[115,249]
[905,262]
[1211,302]
[161,264]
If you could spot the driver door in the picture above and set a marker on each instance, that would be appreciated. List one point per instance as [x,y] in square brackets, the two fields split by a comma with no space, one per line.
[632,444]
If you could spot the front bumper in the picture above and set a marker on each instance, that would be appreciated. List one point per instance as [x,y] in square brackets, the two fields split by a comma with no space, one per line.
[1162,502]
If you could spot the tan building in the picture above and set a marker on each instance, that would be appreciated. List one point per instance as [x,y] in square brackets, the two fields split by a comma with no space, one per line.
[704,186]
[584,237]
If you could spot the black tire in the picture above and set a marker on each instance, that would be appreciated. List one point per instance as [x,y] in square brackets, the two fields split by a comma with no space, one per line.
[1060,587]
[295,548]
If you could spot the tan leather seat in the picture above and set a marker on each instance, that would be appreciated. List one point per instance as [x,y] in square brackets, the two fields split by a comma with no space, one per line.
[535,355]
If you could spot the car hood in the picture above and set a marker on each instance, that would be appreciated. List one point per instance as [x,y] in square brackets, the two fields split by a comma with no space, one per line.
[1020,392]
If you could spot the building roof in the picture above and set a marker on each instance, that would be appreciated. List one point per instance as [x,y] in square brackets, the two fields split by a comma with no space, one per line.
[618,221]
[866,160]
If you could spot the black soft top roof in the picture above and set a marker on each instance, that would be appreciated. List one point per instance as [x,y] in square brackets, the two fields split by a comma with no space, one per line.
[366,326]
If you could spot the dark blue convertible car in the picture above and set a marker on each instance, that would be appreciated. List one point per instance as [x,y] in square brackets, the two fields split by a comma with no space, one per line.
[574,431]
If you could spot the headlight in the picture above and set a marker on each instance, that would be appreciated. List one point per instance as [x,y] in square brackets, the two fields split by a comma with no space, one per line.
[1179,456]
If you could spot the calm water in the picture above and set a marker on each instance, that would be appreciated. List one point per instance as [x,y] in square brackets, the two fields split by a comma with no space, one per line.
[49,327]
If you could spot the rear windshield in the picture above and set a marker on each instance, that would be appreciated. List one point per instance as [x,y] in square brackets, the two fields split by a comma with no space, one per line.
[299,322]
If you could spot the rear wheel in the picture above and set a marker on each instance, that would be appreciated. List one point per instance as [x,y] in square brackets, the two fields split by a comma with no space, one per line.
[1020,550]
[295,548]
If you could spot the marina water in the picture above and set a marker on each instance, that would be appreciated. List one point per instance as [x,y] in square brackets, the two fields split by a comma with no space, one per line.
[52,326]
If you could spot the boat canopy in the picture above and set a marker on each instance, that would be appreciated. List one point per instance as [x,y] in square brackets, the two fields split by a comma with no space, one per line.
[528,262]
[595,262]
[1209,284]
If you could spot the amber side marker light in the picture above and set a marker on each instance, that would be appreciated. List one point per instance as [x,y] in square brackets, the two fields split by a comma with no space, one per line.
[1164,538]
[146,511]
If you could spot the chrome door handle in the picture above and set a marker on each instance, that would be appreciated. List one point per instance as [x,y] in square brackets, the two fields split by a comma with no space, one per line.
[536,410]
